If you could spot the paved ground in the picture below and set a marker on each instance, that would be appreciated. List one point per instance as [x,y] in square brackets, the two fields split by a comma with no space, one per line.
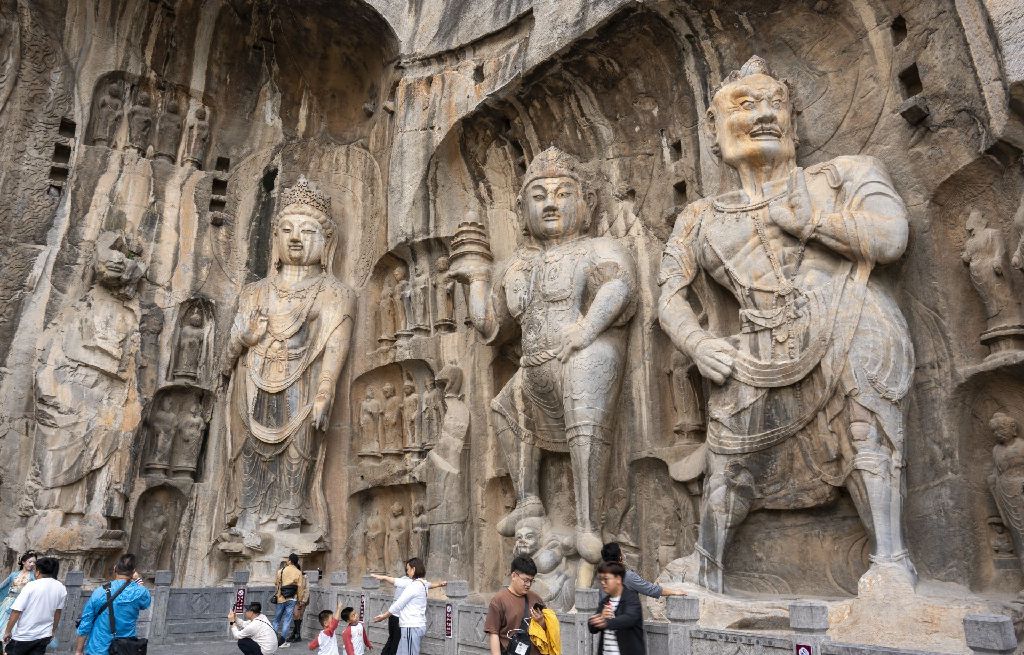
[214,648]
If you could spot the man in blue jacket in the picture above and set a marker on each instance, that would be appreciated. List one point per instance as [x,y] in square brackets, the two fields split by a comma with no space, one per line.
[94,627]
[620,618]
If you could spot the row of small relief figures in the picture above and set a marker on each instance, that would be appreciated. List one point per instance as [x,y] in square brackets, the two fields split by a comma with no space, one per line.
[395,426]
[418,306]
[160,137]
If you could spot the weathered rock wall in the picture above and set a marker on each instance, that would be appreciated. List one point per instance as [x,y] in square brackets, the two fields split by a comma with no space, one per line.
[410,115]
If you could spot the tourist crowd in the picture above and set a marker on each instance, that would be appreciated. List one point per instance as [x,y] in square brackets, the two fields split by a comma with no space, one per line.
[518,622]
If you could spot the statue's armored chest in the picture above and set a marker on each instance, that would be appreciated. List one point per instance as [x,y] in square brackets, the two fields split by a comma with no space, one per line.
[548,278]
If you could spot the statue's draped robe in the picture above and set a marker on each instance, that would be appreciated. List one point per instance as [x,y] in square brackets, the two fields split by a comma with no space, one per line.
[838,340]
[275,384]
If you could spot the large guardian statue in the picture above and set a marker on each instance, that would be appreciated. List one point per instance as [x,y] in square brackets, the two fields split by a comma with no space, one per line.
[570,295]
[807,396]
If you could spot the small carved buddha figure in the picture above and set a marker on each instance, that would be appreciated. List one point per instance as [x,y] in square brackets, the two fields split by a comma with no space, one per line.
[993,278]
[191,346]
[197,140]
[140,123]
[370,427]
[108,116]
[1007,478]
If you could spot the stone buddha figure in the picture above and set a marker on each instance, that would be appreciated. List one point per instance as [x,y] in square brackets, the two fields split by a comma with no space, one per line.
[807,397]
[572,296]
[288,343]
[1007,479]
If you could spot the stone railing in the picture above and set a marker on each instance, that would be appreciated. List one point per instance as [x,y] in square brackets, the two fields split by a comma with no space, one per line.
[455,626]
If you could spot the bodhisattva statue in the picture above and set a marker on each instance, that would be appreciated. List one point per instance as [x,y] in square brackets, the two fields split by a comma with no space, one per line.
[1007,478]
[289,340]
[572,295]
[807,396]
[191,346]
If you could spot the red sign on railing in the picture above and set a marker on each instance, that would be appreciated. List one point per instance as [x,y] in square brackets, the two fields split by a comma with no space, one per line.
[449,613]
[362,607]
[239,601]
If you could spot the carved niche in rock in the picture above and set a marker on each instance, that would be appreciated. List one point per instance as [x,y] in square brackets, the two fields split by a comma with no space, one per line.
[174,431]
[446,483]
[996,282]
[824,358]
[155,523]
[572,295]
[287,345]
[192,358]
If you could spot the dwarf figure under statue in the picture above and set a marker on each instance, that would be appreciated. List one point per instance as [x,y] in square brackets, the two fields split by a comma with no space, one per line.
[571,295]
[806,398]
[289,340]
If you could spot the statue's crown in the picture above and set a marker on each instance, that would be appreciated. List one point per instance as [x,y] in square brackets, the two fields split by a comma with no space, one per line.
[305,193]
[555,163]
[754,66]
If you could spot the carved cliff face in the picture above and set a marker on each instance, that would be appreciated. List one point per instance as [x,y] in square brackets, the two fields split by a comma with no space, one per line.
[300,240]
[554,208]
[753,121]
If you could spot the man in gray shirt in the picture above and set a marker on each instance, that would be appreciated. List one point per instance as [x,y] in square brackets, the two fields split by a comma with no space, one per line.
[611,552]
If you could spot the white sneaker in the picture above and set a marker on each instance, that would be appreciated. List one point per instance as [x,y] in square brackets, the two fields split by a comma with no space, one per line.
[286,644]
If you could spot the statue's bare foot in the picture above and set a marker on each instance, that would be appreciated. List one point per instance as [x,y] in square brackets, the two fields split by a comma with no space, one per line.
[525,508]
[888,577]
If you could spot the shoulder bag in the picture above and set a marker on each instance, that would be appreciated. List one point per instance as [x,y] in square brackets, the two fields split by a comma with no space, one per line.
[519,639]
[122,645]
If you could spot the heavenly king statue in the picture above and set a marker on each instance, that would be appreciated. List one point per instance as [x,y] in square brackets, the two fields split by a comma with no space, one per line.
[288,343]
[571,296]
[806,397]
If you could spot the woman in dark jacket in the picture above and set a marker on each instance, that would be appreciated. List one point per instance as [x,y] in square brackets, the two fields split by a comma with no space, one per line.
[621,618]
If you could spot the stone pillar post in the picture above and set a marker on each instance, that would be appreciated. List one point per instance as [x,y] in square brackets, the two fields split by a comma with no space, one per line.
[316,600]
[457,592]
[683,613]
[338,581]
[160,607]
[809,622]
[990,634]
[368,585]
[66,633]
[586,606]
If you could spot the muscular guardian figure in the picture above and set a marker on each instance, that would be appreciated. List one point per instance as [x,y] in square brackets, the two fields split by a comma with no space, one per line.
[571,295]
[806,397]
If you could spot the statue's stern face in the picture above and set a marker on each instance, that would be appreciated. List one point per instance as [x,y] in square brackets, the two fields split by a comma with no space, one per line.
[753,121]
